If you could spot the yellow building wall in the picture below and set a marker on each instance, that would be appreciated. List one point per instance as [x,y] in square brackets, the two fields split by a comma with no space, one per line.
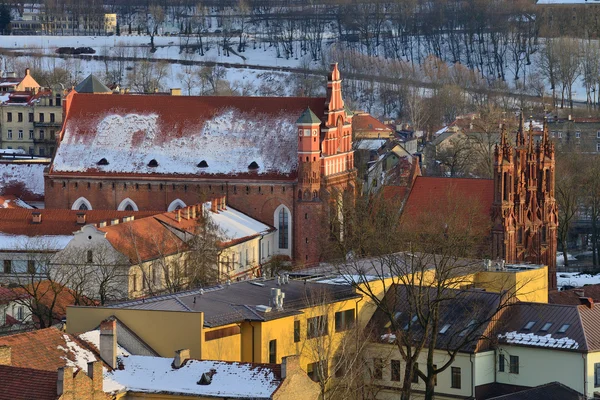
[526,285]
[228,348]
[164,331]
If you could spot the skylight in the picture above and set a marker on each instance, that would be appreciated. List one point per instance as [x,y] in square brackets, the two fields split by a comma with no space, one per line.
[464,331]
[529,325]
[397,315]
[445,328]
[414,319]
[546,326]
[564,328]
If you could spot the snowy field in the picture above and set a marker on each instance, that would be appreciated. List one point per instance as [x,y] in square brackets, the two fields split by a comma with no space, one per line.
[576,279]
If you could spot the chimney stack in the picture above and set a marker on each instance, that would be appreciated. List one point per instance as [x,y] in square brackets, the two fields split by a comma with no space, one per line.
[181,356]
[80,218]
[64,383]
[178,215]
[192,212]
[27,72]
[108,342]
[187,213]
[223,203]
[214,205]
[96,375]
[5,355]
[36,217]
[114,221]
[587,301]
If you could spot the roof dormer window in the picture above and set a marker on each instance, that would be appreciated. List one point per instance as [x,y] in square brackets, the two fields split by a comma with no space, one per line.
[563,328]
[153,163]
[202,164]
[103,161]
[253,165]
[529,325]
[445,328]
[546,326]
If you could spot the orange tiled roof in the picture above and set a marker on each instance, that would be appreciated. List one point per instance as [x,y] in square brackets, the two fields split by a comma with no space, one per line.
[27,384]
[367,123]
[56,222]
[42,349]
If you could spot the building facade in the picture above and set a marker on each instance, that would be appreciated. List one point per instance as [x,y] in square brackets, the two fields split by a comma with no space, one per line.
[284,162]
[524,211]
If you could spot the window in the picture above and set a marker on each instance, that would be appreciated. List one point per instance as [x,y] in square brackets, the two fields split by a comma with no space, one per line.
[501,361]
[529,325]
[412,321]
[31,151]
[42,151]
[20,117]
[513,367]
[598,147]
[134,282]
[41,117]
[546,326]
[563,328]
[395,364]
[30,117]
[9,134]
[20,313]
[90,256]
[9,119]
[52,134]
[7,266]
[456,384]
[415,375]
[560,135]
[316,326]
[578,135]
[20,134]
[42,134]
[377,368]
[31,267]
[129,207]
[51,117]
[296,331]
[344,320]
[598,134]
[31,134]
[283,228]
[317,370]
[597,375]
[445,328]
[273,352]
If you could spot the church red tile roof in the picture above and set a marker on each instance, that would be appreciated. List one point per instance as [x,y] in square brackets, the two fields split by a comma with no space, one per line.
[178,132]
[27,384]
[56,222]
[366,123]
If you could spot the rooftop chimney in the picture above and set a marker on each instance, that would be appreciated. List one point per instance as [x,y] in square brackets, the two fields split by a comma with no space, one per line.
[180,357]
[289,365]
[102,224]
[223,203]
[587,301]
[27,72]
[80,218]
[277,297]
[214,205]
[193,212]
[64,383]
[5,355]
[186,214]
[96,375]
[114,221]
[36,217]
[178,215]
[108,342]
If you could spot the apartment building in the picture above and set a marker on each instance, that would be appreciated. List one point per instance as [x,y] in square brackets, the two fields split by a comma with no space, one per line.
[35,23]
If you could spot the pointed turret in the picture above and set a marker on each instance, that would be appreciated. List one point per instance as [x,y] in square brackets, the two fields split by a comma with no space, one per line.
[520,132]
[530,137]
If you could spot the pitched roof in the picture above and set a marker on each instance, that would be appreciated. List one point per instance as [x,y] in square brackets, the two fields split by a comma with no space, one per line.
[47,349]
[366,124]
[7,295]
[178,132]
[549,391]
[91,84]
[572,296]
[26,383]
[308,117]
[226,304]
[227,379]
[56,222]
[459,310]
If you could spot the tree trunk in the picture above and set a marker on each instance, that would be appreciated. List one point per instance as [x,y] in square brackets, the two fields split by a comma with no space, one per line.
[430,388]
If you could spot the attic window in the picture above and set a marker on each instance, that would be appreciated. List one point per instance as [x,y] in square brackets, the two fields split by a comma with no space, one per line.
[546,326]
[253,165]
[153,163]
[529,325]
[202,164]
[445,328]
[564,328]
[205,379]
[103,161]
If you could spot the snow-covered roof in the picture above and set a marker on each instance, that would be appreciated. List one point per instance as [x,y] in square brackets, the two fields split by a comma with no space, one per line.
[177,133]
[531,339]
[370,144]
[22,179]
[236,225]
[29,243]
[228,379]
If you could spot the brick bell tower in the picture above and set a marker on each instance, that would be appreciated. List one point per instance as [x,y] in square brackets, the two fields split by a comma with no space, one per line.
[325,170]
[524,212]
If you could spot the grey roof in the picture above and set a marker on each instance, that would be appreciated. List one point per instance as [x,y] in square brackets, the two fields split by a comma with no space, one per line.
[308,117]
[549,391]
[91,84]
[226,304]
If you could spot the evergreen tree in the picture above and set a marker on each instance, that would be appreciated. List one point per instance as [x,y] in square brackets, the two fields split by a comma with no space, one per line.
[4,19]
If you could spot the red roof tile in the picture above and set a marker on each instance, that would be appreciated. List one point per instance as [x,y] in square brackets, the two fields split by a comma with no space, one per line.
[363,122]
[7,295]
[56,222]
[572,296]
[27,384]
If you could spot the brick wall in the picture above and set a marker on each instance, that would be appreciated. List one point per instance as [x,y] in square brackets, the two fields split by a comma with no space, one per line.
[81,386]
[296,384]
[5,355]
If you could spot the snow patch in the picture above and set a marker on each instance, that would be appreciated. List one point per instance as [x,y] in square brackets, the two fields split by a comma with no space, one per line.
[45,243]
[82,356]
[532,339]
[29,176]
[234,224]
[576,279]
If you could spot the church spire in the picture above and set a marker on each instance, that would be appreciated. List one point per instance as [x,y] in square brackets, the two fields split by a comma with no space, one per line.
[545,136]
[530,139]
[520,131]
[503,141]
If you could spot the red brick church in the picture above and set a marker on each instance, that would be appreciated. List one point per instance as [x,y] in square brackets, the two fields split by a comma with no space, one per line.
[275,158]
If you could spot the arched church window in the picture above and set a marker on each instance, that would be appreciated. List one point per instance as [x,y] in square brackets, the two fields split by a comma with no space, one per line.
[129,207]
[283,228]
[83,207]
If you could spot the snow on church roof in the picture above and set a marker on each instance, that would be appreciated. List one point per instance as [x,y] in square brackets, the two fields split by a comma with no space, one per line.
[228,379]
[176,133]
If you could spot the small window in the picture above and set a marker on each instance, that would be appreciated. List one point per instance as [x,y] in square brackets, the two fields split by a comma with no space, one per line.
[377,368]
[52,118]
[41,117]
[597,145]
[7,266]
[20,117]
[560,134]
[273,352]
[9,118]
[296,331]
[563,328]
[597,375]
[9,134]
[344,320]
[317,371]
[20,134]
[546,326]
[529,325]
[445,329]
[31,267]
[513,367]
[30,117]
[412,321]
[316,326]
[578,135]
[90,256]
[501,362]
[598,134]
[456,378]
[31,134]
[395,366]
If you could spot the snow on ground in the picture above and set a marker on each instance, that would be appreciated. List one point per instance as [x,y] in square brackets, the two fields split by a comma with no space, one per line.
[156,374]
[560,259]
[576,279]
